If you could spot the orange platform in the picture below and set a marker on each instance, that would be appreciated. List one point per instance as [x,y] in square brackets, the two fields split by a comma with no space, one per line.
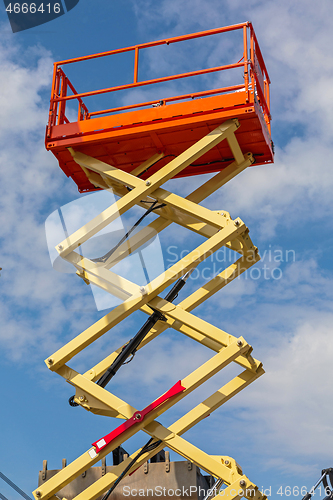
[127,136]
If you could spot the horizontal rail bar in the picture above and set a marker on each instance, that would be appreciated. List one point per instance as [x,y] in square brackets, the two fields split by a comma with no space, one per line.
[150,82]
[170,99]
[165,41]
[244,62]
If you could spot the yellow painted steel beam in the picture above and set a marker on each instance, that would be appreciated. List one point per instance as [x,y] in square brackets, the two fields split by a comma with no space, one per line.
[242,487]
[212,341]
[112,173]
[220,179]
[196,196]
[235,148]
[191,382]
[213,402]
[171,439]
[99,179]
[161,223]
[198,218]
[104,278]
[220,230]
[184,206]
[155,429]
[189,303]
[122,288]
[117,284]
[170,170]
[175,442]
[224,131]
[138,299]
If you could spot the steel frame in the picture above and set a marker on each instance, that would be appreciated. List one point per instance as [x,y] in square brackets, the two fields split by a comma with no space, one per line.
[126,136]
[219,230]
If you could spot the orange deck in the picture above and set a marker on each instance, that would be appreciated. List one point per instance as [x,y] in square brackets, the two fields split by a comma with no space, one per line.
[127,138]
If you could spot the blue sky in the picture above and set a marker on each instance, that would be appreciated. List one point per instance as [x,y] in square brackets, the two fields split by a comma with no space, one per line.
[279,429]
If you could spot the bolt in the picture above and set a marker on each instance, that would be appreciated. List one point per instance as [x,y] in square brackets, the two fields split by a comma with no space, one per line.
[237,223]
[138,416]
[50,361]
[81,398]
[38,493]
[148,183]
[60,247]
[239,343]
[222,213]
[142,290]
[242,483]
[227,462]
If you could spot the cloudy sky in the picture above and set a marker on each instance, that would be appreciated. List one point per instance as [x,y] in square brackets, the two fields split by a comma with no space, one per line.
[279,429]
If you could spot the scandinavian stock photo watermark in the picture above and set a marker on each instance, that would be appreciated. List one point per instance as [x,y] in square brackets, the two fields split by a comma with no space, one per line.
[268,268]
[199,492]
[24,15]
[182,492]
[113,254]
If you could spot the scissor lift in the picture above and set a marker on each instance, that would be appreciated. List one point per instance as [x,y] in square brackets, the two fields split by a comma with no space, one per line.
[128,150]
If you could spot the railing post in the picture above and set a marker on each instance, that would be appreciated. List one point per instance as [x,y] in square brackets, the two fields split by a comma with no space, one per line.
[79,114]
[268,118]
[252,60]
[52,103]
[55,96]
[246,64]
[63,93]
[136,64]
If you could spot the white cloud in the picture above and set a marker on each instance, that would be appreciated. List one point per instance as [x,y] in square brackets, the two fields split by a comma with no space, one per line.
[287,320]
[33,296]
[296,189]
[295,39]
[24,74]
[286,413]
[289,407]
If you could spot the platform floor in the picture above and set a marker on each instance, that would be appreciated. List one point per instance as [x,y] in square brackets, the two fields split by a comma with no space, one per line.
[125,140]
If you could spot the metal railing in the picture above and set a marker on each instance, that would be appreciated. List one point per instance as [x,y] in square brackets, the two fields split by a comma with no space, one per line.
[256,80]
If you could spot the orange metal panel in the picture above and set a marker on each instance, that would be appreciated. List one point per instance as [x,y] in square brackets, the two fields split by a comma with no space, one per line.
[127,148]
[126,139]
